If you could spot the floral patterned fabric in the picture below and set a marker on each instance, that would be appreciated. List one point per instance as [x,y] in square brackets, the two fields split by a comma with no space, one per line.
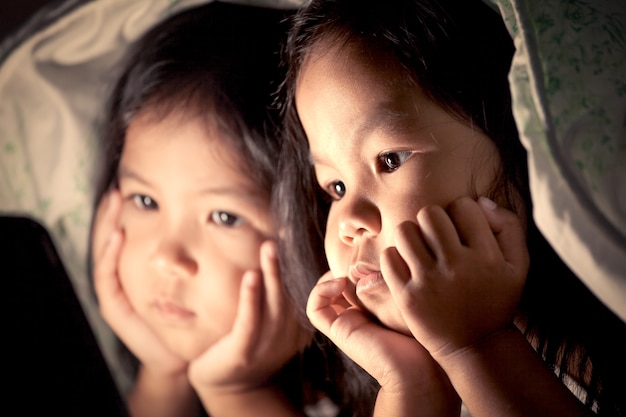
[568,81]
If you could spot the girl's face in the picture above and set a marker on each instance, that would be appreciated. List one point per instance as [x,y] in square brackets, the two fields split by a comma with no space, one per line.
[193,225]
[382,150]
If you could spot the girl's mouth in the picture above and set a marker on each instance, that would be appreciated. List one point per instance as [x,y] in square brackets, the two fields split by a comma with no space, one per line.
[365,277]
[173,313]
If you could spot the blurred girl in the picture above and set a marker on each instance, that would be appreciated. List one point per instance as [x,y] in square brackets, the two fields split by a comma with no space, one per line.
[184,267]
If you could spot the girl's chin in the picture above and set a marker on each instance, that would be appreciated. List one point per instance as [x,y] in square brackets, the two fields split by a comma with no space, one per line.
[190,350]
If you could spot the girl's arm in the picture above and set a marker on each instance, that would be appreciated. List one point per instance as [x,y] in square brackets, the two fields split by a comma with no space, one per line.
[503,376]
[235,377]
[260,401]
[161,389]
[412,383]
[457,276]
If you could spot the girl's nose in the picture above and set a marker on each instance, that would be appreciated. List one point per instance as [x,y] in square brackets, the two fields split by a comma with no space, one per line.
[358,218]
[173,259]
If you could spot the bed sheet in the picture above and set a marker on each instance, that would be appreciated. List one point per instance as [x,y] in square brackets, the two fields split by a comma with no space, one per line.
[568,82]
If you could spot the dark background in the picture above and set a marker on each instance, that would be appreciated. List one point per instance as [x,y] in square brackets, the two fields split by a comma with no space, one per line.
[15,12]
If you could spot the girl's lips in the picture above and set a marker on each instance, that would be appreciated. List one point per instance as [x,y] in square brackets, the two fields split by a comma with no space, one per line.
[365,277]
[172,312]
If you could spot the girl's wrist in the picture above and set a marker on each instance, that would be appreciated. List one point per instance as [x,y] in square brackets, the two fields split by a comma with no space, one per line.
[494,341]
[437,399]
[229,390]
[423,388]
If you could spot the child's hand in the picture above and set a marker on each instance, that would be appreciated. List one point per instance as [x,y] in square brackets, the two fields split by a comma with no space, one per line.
[114,305]
[264,337]
[404,369]
[457,276]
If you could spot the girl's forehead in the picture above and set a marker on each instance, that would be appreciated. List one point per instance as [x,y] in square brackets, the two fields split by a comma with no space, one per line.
[152,126]
[186,145]
[350,55]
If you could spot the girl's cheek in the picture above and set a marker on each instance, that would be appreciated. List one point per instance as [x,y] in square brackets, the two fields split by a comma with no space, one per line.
[335,255]
[138,223]
[241,254]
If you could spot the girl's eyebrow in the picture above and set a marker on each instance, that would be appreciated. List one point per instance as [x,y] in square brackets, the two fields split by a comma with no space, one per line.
[244,195]
[125,172]
[243,191]
[385,118]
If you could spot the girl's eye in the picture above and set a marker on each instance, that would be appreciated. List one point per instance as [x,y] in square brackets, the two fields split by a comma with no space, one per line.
[224,218]
[391,161]
[145,202]
[336,190]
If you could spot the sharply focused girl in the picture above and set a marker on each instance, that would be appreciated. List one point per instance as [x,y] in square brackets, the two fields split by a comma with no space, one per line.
[440,286]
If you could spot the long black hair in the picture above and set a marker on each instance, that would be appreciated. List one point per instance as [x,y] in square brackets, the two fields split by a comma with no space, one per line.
[459,52]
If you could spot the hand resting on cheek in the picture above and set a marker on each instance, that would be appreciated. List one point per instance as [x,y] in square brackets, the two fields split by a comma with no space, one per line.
[457,274]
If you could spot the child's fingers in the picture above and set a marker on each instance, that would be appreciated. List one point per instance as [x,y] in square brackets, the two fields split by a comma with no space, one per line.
[509,233]
[283,322]
[247,324]
[438,232]
[107,245]
[347,298]
[275,304]
[411,250]
[329,316]
[279,320]
[322,307]
[395,271]
[105,272]
[471,224]
[106,219]
[114,305]
[380,351]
